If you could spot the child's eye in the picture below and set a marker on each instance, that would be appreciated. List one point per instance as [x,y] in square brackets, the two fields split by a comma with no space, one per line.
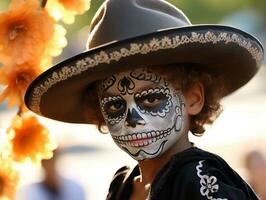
[114,108]
[151,101]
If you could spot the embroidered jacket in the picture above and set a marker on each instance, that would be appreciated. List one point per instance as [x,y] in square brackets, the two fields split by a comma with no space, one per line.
[193,174]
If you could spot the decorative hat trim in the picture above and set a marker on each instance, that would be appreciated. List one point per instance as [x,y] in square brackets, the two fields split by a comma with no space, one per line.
[153,45]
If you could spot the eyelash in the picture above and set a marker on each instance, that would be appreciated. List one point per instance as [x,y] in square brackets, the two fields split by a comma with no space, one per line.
[158,108]
[110,101]
[115,117]
[108,105]
[162,92]
[156,96]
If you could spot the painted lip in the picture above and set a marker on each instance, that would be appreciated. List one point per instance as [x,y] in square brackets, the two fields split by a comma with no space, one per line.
[142,139]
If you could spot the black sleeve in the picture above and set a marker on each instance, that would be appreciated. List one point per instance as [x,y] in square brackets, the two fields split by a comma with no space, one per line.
[205,181]
[117,182]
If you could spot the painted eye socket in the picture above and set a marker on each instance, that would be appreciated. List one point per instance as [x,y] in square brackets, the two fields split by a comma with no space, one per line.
[151,101]
[115,108]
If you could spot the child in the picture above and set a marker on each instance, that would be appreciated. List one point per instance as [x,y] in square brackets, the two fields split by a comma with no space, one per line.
[151,77]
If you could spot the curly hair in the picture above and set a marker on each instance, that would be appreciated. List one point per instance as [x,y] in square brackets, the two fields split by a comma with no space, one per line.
[184,77]
[179,75]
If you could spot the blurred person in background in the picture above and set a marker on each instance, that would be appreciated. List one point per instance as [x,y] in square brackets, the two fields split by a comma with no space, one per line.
[151,78]
[256,166]
[54,186]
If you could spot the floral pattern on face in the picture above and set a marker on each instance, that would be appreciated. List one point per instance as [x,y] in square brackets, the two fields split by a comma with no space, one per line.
[156,102]
[113,109]
[143,112]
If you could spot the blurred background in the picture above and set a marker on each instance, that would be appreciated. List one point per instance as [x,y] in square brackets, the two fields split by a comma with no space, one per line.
[90,158]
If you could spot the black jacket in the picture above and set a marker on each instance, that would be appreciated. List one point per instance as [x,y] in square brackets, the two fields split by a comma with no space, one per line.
[193,174]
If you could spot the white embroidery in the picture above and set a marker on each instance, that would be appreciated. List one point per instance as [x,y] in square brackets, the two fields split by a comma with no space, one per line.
[153,45]
[208,184]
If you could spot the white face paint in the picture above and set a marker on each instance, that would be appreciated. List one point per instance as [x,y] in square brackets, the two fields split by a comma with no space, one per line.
[144,113]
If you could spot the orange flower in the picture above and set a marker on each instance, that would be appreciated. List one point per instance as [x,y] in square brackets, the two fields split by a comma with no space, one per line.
[9,178]
[67,9]
[25,30]
[54,47]
[16,79]
[30,139]
[76,5]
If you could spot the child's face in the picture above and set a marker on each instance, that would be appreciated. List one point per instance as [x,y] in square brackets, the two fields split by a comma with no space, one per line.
[144,113]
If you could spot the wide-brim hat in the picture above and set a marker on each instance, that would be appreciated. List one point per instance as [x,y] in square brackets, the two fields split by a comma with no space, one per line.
[126,34]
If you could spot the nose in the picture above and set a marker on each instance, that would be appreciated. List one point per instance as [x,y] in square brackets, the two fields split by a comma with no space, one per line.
[133,119]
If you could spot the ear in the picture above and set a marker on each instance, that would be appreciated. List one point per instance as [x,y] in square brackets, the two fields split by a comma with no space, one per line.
[194,99]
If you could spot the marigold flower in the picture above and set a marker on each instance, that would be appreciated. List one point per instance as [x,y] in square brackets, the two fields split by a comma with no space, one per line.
[67,9]
[9,178]
[17,79]
[25,30]
[54,47]
[30,139]
[5,147]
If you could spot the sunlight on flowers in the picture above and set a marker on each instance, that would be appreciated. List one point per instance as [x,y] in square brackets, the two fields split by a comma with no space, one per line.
[25,30]
[5,147]
[30,140]
[54,47]
[58,42]
[67,9]
[9,179]
[16,79]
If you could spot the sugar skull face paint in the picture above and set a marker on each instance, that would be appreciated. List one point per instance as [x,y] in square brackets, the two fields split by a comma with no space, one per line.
[144,113]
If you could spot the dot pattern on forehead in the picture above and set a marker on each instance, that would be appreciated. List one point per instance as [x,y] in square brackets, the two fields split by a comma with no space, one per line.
[160,110]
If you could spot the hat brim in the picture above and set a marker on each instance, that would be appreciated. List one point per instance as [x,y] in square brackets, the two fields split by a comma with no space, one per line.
[58,93]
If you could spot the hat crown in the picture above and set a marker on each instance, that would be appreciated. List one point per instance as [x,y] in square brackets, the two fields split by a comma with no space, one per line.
[121,19]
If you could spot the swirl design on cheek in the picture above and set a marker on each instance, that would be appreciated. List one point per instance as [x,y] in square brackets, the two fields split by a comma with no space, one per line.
[179,111]
[112,119]
[154,101]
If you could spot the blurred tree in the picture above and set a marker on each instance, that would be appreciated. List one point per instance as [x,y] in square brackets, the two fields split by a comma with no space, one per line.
[3,4]
[212,11]
[260,5]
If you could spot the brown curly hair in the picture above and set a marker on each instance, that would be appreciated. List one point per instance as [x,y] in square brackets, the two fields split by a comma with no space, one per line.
[185,76]
[179,75]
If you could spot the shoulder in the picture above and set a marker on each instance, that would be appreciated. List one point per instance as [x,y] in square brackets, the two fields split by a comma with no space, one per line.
[208,176]
[117,181]
[119,176]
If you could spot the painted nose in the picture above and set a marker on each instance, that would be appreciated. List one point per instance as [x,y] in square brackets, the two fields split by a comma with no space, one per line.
[133,119]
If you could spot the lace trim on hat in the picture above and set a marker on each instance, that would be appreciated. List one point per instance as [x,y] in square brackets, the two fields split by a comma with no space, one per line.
[153,45]
[208,184]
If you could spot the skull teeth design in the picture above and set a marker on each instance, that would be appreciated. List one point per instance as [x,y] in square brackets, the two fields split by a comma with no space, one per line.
[142,139]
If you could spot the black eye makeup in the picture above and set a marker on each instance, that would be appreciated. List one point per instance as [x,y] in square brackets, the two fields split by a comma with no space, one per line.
[154,101]
[113,108]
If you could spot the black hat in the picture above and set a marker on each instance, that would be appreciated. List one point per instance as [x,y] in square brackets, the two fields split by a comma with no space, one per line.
[132,33]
